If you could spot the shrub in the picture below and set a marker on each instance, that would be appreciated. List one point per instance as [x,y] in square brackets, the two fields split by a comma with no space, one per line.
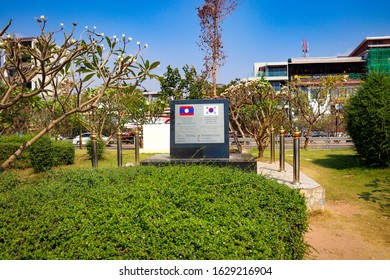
[100,148]
[63,153]
[368,119]
[41,154]
[148,212]
[9,144]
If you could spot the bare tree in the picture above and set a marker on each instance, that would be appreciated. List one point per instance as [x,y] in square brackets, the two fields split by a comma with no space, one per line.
[211,16]
[57,73]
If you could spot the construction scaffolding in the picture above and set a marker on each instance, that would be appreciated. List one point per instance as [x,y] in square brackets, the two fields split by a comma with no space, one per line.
[379,60]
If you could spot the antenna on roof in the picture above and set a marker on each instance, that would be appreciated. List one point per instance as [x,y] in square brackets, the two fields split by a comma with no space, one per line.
[305,48]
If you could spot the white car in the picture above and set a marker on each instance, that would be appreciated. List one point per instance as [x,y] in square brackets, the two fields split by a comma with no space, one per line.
[85,137]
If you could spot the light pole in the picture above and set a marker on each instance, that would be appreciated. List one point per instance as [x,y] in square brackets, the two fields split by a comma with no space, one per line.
[296,156]
[272,144]
[281,150]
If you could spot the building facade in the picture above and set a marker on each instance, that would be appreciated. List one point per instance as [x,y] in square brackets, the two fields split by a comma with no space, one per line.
[372,54]
[307,73]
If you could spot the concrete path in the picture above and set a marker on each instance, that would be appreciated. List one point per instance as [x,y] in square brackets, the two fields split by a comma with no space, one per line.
[313,192]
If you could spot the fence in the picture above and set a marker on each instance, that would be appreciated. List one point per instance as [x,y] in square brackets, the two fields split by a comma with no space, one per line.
[315,142]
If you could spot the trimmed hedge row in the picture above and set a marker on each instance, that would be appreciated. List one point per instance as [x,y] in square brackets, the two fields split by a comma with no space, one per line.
[44,154]
[148,212]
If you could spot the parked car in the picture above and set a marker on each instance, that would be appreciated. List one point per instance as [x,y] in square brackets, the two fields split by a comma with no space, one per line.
[129,137]
[87,136]
[319,134]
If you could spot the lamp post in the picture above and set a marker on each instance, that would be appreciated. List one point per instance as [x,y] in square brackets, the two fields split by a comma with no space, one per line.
[296,156]
[94,149]
[136,143]
[281,150]
[119,146]
[272,144]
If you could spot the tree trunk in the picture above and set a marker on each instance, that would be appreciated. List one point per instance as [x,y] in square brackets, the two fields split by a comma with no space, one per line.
[260,151]
[215,56]
[307,137]
[24,146]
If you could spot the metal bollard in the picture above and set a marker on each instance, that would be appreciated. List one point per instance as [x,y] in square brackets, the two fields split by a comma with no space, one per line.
[94,149]
[119,146]
[272,144]
[136,143]
[281,150]
[296,156]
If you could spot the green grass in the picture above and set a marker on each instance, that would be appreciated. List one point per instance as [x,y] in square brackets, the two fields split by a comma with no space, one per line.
[345,177]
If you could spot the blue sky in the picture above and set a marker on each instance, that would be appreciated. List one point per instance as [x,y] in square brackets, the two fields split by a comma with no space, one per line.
[257,31]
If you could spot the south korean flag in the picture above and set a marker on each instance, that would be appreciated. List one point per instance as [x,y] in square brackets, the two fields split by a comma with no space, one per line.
[211,110]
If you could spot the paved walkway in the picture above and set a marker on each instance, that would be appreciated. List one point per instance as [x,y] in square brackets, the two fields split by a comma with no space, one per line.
[313,192]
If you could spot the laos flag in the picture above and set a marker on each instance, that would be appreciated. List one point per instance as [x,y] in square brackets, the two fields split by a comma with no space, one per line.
[186,111]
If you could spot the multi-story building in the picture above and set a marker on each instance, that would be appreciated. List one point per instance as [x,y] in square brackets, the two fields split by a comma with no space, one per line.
[274,72]
[372,54]
[376,52]
[10,71]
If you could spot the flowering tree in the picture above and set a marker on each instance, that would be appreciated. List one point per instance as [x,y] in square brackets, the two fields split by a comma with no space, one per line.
[253,107]
[211,15]
[312,99]
[59,72]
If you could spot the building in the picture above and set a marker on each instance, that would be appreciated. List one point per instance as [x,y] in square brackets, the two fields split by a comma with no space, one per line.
[376,52]
[373,53]
[308,72]
[9,71]
[274,72]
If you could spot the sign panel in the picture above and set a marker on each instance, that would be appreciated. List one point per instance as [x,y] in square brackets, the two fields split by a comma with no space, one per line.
[199,128]
[199,123]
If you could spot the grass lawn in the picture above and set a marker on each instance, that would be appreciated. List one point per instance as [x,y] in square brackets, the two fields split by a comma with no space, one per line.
[345,177]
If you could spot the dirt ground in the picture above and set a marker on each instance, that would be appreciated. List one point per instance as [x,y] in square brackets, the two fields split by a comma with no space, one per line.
[348,232]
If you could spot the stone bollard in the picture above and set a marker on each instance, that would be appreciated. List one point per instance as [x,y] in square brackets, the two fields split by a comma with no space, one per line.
[272,144]
[136,144]
[281,150]
[296,156]
[94,149]
[119,146]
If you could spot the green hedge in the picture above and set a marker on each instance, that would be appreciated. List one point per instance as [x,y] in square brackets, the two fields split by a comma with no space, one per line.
[41,154]
[9,144]
[62,152]
[100,148]
[147,212]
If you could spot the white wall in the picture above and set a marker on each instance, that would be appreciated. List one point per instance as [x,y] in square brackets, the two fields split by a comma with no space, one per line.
[156,138]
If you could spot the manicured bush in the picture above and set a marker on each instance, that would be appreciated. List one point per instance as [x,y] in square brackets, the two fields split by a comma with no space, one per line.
[368,119]
[148,212]
[9,144]
[100,148]
[41,154]
[63,153]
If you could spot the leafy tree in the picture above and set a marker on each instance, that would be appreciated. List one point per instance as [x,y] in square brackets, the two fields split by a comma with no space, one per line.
[58,72]
[368,119]
[191,86]
[253,107]
[211,15]
[195,86]
[312,100]
[171,84]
